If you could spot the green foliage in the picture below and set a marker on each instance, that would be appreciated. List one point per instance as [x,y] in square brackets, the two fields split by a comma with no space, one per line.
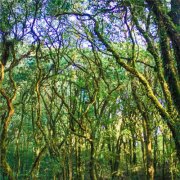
[58,6]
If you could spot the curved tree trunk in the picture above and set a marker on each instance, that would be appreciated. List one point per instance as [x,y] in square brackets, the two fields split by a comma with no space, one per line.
[3,138]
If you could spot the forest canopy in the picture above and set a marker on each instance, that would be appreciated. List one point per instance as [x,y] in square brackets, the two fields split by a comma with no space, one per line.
[89,89]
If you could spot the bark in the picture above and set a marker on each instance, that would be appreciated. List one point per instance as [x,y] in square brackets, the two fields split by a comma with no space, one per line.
[36,163]
[172,30]
[115,164]
[134,151]
[170,72]
[130,152]
[64,169]
[166,26]
[1,73]
[175,11]
[70,160]
[92,163]
[78,159]
[175,15]
[4,135]
[155,151]
[174,128]
[163,164]
[143,153]
[150,167]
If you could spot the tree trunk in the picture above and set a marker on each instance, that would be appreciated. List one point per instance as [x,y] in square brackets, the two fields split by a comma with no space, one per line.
[3,138]
[168,30]
[92,163]
[155,150]
[70,164]
[36,164]
[134,150]
[143,154]
[163,163]
[175,11]
[150,167]
[176,136]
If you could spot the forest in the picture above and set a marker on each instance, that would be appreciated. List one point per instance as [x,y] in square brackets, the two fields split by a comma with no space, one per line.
[89,89]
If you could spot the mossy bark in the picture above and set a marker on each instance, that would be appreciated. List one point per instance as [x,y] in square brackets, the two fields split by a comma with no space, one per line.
[3,138]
